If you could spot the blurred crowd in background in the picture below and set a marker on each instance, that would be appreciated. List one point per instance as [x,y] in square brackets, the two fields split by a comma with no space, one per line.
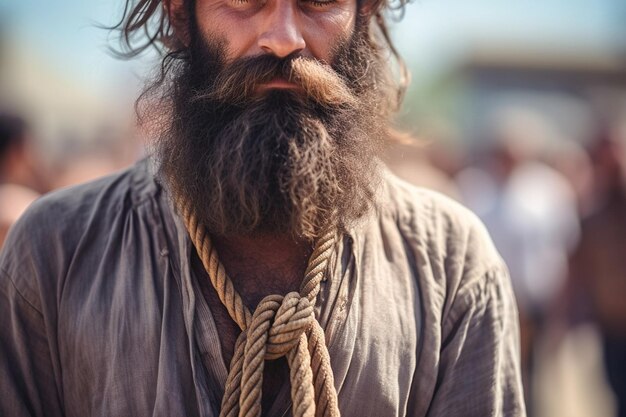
[528,132]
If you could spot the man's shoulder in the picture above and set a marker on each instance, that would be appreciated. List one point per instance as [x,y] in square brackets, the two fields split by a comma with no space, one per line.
[66,208]
[440,228]
[46,235]
[414,199]
[131,185]
[426,212]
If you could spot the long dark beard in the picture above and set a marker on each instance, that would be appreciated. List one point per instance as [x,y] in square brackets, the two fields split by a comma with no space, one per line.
[281,162]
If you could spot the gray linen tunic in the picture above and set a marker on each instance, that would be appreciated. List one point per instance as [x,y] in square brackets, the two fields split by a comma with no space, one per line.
[101,314]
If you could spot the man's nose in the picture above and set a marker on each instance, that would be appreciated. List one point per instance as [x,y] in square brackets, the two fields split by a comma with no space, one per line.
[282,35]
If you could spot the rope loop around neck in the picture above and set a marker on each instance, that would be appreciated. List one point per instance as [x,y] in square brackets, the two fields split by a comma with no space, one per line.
[279,326]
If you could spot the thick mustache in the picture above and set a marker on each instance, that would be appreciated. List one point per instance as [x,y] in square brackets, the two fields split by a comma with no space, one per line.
[238,82]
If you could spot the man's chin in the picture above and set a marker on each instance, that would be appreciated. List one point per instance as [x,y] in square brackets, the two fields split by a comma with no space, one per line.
[278,98]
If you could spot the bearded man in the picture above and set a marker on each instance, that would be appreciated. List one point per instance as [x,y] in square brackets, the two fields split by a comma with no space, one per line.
[262,261]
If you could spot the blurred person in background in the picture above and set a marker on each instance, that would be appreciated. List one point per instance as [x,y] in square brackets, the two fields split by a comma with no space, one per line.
[336,285]
[20,182]
[531,211]
[572,160]
[597,286]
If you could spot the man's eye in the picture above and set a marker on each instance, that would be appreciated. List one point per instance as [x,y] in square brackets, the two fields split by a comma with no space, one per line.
[318,3]
[239,2]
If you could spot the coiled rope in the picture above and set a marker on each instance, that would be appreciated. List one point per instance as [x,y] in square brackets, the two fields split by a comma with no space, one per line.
[280,326]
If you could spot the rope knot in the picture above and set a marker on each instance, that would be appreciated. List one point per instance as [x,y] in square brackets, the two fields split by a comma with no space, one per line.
[293,318]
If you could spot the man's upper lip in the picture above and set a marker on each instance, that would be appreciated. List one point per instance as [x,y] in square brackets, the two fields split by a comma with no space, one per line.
[279,82]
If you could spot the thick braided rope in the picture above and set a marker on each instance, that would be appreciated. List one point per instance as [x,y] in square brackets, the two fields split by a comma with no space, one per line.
[217,274]
[280,326]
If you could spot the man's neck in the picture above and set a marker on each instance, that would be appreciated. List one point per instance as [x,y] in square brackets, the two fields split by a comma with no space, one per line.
[263,264]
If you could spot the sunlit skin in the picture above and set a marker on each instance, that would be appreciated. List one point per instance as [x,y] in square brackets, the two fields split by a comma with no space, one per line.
[310,28]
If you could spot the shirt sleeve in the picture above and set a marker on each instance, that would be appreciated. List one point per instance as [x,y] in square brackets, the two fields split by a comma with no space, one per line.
[27,383]
[479,370]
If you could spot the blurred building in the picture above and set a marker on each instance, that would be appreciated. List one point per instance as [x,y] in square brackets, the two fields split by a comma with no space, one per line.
[567,87]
